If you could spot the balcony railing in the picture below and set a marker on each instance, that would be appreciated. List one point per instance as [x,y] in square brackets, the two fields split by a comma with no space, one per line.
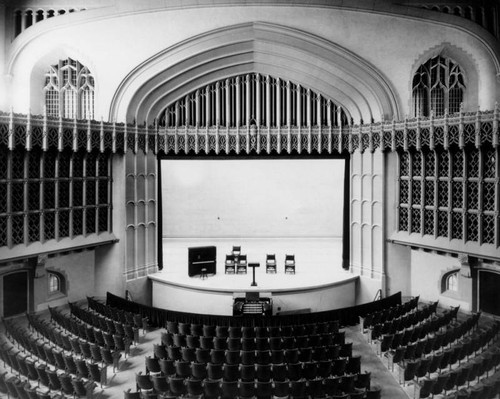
[37,131]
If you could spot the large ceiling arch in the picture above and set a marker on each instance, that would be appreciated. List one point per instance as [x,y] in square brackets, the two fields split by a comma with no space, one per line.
[294,55]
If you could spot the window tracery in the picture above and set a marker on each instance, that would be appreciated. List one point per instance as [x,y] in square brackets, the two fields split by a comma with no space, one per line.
[69,90]
[438,87]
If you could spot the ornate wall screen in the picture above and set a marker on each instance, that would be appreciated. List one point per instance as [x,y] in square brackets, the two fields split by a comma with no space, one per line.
[36,131]
[253,99]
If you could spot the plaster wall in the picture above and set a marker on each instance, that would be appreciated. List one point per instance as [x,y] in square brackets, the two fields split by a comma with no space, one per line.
[433,266]
[78,269]
[112,45]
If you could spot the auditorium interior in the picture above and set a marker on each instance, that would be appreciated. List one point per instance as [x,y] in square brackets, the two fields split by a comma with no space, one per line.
[266,199]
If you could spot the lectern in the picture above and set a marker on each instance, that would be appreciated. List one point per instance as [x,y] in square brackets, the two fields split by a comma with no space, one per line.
[253,266]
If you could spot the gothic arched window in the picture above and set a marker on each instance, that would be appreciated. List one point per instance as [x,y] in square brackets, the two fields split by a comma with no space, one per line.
[438,86]
[57,283]
[69,90]
[449,282]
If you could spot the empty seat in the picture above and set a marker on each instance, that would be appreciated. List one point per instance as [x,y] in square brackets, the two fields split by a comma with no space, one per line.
[290,264]
[230,265]
[241,264]
[271,266]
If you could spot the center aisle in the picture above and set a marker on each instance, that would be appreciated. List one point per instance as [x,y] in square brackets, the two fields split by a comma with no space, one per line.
[380,375]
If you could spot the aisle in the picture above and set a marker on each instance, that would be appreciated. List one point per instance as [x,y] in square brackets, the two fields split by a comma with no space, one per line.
[370,362]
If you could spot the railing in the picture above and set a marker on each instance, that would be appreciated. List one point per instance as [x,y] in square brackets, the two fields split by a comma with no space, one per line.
[36,131]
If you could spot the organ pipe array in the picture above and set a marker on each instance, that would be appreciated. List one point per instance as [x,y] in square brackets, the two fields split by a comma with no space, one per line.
[253,99]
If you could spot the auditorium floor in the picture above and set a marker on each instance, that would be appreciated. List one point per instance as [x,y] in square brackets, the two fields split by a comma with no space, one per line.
[124,379]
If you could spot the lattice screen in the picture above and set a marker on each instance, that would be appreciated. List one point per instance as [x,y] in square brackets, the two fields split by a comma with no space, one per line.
[450,193]
[52,195]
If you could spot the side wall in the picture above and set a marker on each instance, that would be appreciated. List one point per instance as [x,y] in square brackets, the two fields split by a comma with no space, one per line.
[367,227]
[433,267]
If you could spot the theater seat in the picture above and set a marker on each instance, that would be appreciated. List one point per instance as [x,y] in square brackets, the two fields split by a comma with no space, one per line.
[230,265]
[290,264]
[271,263]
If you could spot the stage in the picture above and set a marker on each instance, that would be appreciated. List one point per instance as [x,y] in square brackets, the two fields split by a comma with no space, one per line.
[318,284]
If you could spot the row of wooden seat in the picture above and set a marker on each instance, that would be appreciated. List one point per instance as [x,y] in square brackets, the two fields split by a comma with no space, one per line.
[119,315]
[430,354]
[33,359]
[384,315]
[411,320]
[455,378]
[99,351]
[349,386]
[15,387]
[422,340]
[262,371]
[261,343]
[224,331]
[91,334]
[104,323]
[327,352]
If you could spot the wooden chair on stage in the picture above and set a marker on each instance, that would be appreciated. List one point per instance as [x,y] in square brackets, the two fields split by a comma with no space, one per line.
[236,252]
[230,265]
[241,265]
[290,264]
[271,263]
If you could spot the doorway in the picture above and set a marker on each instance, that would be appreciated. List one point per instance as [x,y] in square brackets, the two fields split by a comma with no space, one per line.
[15,293]
[489,295]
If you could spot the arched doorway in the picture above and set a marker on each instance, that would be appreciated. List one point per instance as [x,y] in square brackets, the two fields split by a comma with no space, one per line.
[489,296]
[15,293]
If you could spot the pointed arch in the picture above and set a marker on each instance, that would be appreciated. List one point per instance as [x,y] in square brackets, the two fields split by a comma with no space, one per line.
[258,47]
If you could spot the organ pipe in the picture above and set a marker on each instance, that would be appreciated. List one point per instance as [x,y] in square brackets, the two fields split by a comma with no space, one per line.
[269,101]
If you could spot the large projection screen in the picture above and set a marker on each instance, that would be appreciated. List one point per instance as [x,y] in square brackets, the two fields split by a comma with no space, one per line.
[250,198]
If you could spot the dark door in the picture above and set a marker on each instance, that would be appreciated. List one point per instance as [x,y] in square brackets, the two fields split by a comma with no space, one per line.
[15,293]
[489,294]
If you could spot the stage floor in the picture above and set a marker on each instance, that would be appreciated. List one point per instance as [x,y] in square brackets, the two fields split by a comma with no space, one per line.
[318,263]
[318,284]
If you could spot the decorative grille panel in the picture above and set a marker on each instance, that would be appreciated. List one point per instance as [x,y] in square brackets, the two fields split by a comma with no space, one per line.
[36,205]
[469,195]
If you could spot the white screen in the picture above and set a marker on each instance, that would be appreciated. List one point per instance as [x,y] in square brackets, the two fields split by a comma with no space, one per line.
[252,198]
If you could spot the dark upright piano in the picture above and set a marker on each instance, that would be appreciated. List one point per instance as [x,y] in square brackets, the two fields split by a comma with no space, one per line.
[201,257]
